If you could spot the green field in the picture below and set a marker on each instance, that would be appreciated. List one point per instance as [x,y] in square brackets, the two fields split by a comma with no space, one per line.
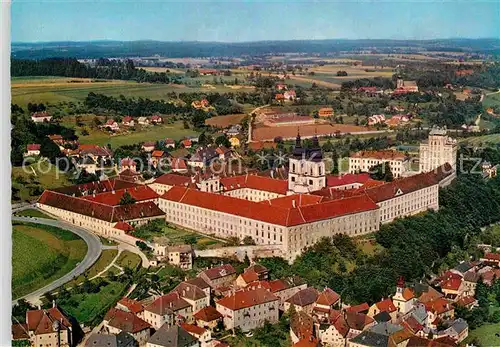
[39,89]
[128,259]
[177,236]
[485,334]
[492,100]
[104,260]
[86,307]
[42,254]
[31,212]
[493,139]
[151,133]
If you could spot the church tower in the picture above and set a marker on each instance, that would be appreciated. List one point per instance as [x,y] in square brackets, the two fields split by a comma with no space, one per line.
[306,172]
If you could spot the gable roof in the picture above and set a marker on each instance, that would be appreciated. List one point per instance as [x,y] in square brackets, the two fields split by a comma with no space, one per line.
[95,187]
[190,291]
[386,305]
[219,271]
[327,297]
[98,210]
[304,297]
[255,182]
[199,282]
[125,321]
[274,214]
[172,179]
[169,303]
[174,336]
[207,314]
[247,298]
[139,193]
[41,321]
[132,305]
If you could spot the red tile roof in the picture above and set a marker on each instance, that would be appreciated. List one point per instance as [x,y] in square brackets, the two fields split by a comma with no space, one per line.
[386,305]
[466,301]
[126,119]
[98,210]
[304,297]
[451,284]
[247,298]
[157,154]
[364,307]
[20,332]
[40,114]
[172,179]
[94,150]
[291,200]
[95,187]
[438,306]
[124,226]
[492,256]
[255,182]
[134,306]
[33,147]
[357,321]
[249,276]
[193,329]
[412,324]
[178,164]
[41,321]
[327,297]
[171,302]
[220,271]
[342,180]
[274,214]
[207,314]
[139,193]
[125,321]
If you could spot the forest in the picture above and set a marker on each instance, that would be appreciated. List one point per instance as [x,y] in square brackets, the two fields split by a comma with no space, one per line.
[71,67]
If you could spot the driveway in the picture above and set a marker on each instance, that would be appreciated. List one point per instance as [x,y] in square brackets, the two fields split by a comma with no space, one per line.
[94,249]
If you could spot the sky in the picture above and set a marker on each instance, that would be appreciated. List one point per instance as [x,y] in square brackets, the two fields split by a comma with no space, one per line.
[241,21]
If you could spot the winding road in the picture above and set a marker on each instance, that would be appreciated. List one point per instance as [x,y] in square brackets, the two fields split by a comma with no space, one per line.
[94,249]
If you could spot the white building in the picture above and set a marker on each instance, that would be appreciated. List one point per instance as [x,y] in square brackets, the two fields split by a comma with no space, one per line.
[439,149]
[307,169]
[364,161]
[249,308]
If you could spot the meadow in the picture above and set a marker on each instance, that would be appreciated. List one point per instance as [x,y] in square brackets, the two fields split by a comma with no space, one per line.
[492,100]
[225,121]
[128,259]
[42,254]
[38,89]
[485,334]
[104,260]
[31,212]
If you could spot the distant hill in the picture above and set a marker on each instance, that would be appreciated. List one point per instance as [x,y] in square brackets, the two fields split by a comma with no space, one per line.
[107,49]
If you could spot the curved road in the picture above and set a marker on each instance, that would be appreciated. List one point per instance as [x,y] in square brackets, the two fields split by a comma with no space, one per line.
[94,249]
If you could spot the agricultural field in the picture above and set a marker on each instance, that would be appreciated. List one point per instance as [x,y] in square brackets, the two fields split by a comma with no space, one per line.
[31,212]
[493,139]
[42,254]
[492,100]
[62,89]
[150,133]
[225,121]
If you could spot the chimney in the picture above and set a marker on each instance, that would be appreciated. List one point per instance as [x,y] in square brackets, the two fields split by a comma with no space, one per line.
[293,203]
[53,303]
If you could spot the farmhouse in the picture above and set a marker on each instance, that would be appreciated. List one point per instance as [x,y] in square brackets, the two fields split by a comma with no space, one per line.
[111,125]
[40,117]
[128,121]
[32,149]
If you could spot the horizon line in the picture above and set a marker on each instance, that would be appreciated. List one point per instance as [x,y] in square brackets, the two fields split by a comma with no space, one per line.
[256,41]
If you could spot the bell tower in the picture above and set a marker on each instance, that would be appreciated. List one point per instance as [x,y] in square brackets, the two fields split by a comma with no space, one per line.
[306,171]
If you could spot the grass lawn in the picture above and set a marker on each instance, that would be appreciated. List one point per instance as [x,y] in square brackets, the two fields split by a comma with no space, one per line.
[86,307]
[42,254]
[107,242]
[485,334]
[31,212]
[104,260]
[178,236]
[128,259]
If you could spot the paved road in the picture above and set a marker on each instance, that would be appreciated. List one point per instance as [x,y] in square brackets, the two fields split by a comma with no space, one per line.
[94,249]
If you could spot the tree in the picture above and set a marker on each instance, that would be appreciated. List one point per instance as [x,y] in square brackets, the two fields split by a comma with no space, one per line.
[127,199]
[381,172]
[49,150]
[190,240]
[222,140]
[248,240]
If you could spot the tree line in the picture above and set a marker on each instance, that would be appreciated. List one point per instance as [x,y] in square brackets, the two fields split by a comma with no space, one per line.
[71,67]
